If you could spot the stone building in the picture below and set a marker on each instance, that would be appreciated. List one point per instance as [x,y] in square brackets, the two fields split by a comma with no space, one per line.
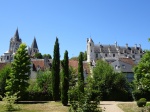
[112,52]
[14,44]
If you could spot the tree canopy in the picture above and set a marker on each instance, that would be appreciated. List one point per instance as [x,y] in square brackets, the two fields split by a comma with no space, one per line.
[20,72]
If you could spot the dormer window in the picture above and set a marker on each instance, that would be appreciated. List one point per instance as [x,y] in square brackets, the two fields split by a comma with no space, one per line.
[123,66]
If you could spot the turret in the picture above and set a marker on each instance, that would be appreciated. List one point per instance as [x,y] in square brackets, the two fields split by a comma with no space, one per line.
[90,50]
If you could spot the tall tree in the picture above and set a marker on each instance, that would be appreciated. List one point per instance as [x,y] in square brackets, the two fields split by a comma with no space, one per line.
[85,56]
[111,85]
[20,72]
[4,73]
[56,71]
[80,74]
[142,73]
[65,79]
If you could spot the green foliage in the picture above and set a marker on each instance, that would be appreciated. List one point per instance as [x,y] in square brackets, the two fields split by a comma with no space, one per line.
[38,56]
[80,74]
[72,77]
[85,104]
[141,102]
[9,102]
[138,93]
[41,88]
[20,72]
[4,73]
[85,56]
[65,79]
[148,104]
[73,94]
[142,73]
[113,86]
[44,80]
[47,55]
[56,72]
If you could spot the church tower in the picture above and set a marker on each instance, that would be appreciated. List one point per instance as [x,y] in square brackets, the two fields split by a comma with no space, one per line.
[34,47]
[90,50]
[15,43]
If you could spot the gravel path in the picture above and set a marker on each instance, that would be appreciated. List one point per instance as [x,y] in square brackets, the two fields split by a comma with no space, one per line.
[110,106]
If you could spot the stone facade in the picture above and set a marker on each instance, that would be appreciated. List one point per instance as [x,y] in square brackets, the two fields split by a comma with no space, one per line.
[112,52]
[15,42]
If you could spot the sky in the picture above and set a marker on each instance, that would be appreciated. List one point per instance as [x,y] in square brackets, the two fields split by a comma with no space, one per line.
[73,21]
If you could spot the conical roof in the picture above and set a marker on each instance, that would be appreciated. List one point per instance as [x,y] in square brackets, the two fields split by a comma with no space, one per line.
[34,44]
[16,36]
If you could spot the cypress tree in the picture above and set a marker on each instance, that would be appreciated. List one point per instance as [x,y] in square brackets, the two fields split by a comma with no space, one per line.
[65,79]
[20,72]
[55,72]
[80,74]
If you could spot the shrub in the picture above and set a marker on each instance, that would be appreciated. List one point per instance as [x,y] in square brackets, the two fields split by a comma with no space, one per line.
[9,102]
[148,104]
[141,102]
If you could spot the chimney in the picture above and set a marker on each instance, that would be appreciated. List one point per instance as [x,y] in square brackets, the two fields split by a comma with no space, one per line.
[135,46]
[116,44]
[126,45]
[140,45]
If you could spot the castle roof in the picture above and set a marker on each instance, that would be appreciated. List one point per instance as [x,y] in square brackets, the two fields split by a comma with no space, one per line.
[34,44]
[116,49]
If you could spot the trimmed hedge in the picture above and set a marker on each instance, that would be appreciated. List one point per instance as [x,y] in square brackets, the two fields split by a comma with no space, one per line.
[141,102]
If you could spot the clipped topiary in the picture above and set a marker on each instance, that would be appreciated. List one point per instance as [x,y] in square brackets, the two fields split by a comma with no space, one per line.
[141,102]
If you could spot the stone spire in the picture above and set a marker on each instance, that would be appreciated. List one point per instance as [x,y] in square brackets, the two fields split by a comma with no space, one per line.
[34,44]
[16,36]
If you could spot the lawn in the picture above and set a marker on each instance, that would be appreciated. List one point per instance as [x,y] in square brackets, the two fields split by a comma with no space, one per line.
[39,107]
[131,107]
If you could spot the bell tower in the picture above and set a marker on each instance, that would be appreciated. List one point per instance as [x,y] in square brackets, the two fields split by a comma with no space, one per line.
[15,42]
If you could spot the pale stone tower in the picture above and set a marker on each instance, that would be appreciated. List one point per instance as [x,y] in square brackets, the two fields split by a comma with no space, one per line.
[34,47]
[15,43]
[90,50]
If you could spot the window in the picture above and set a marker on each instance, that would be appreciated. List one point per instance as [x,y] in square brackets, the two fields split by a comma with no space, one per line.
[133,56]
[91,50]
[123,66]
[105,55]
[132,51]
[7,57]
[140,56]
[113,55]
[90,44]
[116,67]
[96,55]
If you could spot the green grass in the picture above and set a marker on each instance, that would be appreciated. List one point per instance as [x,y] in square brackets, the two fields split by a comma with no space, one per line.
[131,107]
[39,107]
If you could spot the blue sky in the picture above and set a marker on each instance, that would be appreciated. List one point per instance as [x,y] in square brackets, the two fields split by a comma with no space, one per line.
[73,21]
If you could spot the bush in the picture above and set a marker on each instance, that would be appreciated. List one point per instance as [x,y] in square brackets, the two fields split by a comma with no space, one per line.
[141,102]
[9,102]
[148,104]
[137,94]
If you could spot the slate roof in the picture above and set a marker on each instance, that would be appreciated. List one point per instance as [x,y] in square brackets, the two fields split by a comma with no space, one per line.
[116,49]
[125,65]
[16,36]
[34,44]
